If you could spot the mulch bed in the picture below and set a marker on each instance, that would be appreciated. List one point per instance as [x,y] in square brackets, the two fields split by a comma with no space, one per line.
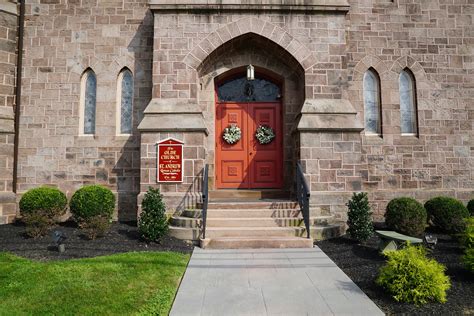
[122,237]
[362,263]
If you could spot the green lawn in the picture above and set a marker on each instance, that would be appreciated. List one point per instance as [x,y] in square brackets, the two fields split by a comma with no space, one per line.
[137,283]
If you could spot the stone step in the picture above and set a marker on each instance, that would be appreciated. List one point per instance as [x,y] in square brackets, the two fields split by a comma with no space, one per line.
[271,204]
[250,195]
[256,242]
[317,232]
[214,232]
[181,221]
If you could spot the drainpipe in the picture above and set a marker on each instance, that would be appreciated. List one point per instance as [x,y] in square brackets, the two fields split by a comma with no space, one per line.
[21,22]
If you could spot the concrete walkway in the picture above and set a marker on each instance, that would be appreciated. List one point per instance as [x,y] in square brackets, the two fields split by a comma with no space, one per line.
[268,282]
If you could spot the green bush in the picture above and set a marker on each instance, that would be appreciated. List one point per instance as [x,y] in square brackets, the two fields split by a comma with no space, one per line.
[409,276]
[447,213]
[470,207]
[41,209]
[92,207]
[359,217]
[153,223]
[406,216]
[467,237]
[469,259]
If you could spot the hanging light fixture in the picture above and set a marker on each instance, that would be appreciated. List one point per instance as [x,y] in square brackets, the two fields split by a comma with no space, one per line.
[250,72]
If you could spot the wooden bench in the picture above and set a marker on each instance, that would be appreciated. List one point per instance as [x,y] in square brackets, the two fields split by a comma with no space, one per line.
[390,240]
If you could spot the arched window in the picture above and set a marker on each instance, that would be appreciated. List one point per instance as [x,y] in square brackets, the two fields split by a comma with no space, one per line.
[242,90]
[372,109]
[125,102]
[88,102]
[408,111]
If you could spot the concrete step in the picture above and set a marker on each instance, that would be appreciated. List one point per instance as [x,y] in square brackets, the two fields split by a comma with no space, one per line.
[256,242]
[240,205]
[317,232]
[250,195]
[214,232]
[247,213]
[181,221]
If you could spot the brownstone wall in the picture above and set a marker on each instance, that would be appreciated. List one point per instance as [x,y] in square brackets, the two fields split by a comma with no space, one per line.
[63,38]
[435,40]
[8,60]
[178,54]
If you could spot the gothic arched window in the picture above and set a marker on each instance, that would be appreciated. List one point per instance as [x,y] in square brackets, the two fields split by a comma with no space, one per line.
[125,102]
[408,115]
[88,102]
[242,90]
[372,106]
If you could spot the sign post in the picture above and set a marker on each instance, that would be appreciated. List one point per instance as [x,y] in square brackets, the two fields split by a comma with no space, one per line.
[170,160]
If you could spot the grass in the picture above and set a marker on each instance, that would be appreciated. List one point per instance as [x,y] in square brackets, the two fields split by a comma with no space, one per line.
[136,283]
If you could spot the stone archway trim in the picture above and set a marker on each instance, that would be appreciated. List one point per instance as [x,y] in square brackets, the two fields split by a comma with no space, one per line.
[266,29]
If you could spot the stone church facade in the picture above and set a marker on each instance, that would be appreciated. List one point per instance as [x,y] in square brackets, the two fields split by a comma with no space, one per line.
[179,53]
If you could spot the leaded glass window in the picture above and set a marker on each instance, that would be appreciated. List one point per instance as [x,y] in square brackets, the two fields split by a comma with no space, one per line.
[126,102]
[373,122]
[90,94]
[242,90]
[408,117]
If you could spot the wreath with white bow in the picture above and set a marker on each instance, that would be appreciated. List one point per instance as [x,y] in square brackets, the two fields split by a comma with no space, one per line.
[264,134]
[232,134]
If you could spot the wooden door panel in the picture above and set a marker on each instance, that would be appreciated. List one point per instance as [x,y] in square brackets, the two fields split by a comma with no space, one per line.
[266,160]
[232,159]
[247,163]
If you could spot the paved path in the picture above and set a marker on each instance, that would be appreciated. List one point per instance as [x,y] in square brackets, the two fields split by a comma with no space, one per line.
[268,282]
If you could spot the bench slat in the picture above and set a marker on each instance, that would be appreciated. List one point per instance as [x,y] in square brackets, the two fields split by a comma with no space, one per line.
[389,234]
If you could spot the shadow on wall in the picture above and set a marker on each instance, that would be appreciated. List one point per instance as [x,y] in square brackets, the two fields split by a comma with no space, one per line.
[127,167]
[193,195]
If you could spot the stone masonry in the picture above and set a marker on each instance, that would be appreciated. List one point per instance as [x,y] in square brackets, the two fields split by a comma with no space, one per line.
[8,61]
[177,50]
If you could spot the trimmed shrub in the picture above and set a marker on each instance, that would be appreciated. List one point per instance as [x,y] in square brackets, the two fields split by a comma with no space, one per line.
[467,237]
[467,240]
[468,259]
[153,223]
[409,276]
[470,207]
[41,209]
[359,217]
[406,216]
[447,213]
[92,207]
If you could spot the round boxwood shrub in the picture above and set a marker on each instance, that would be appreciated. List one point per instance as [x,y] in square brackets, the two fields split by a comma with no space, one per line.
[409,276]
[447,213]
[41,208]
[470,207]
[406,216]
[92,207]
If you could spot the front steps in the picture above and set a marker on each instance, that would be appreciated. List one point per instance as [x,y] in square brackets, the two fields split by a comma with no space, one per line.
[247,222]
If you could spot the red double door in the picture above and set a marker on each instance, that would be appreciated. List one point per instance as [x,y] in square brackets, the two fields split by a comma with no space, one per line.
[248,164]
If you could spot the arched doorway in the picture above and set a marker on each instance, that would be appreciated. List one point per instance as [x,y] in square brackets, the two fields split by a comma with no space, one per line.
[249,131]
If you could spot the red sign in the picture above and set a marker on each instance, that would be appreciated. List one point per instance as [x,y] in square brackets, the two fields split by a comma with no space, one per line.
[170,160]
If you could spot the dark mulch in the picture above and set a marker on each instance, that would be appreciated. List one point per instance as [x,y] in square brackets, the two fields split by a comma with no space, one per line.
[362,263]
[122,237]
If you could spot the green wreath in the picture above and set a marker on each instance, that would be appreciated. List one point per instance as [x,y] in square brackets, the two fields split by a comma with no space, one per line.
[264,134]
[232,134]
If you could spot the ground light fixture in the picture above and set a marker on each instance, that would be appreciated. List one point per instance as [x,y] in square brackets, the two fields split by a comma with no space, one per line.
[250,73]
[59,237]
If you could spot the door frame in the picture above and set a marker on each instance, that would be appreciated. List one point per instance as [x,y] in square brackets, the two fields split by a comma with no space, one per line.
[262,73]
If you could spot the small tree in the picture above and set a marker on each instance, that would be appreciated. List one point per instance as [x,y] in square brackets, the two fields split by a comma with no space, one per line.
[153,223]
[359,217]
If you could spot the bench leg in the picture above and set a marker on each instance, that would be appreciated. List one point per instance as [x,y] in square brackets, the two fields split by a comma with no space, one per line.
[387,245]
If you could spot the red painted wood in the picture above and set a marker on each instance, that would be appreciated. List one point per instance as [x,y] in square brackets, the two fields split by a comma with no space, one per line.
[248,164]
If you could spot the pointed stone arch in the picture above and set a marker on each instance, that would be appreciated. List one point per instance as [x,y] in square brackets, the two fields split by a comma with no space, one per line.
[248,25]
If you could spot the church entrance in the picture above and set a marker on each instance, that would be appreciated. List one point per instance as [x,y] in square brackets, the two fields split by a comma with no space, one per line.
[249,134]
